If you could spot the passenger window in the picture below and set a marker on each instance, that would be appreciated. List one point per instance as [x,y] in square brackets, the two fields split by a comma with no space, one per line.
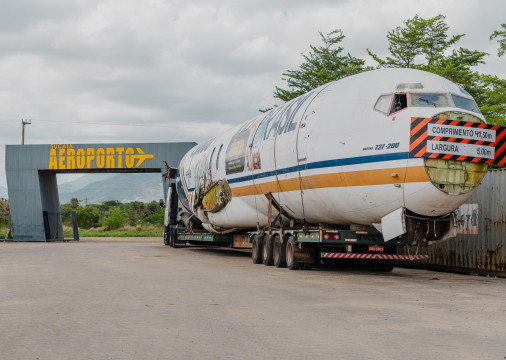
[218,157]
[383,103]
[400,102]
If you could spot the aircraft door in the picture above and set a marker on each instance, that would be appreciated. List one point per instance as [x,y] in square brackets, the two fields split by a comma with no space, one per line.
[303,144]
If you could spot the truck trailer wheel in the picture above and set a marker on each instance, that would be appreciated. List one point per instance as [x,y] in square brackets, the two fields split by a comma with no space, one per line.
[290,250]
[173,238]
[257,249]
[165,235]
[267,251]
[279,252]
[380,266]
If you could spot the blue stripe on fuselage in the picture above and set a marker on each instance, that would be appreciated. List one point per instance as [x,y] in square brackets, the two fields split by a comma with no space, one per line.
[322,164]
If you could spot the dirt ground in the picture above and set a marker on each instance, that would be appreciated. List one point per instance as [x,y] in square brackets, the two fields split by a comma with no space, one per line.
[134,298]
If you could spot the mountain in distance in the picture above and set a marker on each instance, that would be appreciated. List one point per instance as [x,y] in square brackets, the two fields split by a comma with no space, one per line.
[97,188]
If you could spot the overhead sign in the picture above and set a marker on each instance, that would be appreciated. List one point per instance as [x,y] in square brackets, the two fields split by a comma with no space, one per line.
[457,140]
[68,157]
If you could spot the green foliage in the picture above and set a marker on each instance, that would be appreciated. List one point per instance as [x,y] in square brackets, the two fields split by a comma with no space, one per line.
[87,217]
[154,213]
[73,204]
[424,44]
[4,213]
[115,220]
[501,39]
[490,94]
[4,206]
[323,64]
[114,215]
[65,214]
[130,217]
[150,231]
[426,37]
[137,206]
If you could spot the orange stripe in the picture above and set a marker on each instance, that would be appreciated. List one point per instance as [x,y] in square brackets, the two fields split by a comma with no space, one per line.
[351,178]
[419,126]
[501,135]
[422,152]
[417,141]
[500,150]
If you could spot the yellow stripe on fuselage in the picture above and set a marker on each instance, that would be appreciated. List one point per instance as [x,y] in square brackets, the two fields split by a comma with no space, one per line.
[342,179]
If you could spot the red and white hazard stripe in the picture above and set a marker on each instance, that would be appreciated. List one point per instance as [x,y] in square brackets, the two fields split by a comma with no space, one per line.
[328,255]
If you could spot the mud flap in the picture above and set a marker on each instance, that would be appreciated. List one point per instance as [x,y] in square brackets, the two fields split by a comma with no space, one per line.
[304,255]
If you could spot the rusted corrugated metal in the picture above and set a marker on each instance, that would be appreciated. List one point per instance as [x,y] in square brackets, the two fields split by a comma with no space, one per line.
[480,245]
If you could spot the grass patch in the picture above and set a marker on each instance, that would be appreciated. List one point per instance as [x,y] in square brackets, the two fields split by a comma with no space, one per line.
[126,231]
[114,233]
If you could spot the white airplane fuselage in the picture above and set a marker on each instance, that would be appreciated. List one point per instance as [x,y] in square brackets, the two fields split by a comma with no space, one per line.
[337,155]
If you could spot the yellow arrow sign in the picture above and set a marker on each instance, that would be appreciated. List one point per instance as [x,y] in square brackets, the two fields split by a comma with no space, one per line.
[141,157]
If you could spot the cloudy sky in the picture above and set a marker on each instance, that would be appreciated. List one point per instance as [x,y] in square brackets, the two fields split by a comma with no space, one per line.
[93,71]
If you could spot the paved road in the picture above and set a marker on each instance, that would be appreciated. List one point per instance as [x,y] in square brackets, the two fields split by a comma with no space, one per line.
[140,300]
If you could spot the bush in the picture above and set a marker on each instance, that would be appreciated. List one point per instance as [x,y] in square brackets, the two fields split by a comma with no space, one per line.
[115,220]
[86,217]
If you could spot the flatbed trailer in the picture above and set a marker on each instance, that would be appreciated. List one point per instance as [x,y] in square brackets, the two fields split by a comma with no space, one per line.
[299,248]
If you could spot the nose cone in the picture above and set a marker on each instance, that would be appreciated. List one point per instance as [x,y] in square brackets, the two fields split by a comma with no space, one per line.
[454,177]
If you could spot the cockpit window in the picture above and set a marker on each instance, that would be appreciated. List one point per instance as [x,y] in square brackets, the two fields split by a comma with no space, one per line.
[434,100]
[400,102]
[464,103]
[383,103]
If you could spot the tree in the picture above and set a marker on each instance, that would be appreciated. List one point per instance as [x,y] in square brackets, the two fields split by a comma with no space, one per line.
[73,203]
[427,37]
[323,64]
[501,35]
[87,217]
[115,220]
[137,206]
[424,44]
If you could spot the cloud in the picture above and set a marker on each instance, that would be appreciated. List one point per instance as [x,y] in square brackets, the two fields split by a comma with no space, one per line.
[178,70]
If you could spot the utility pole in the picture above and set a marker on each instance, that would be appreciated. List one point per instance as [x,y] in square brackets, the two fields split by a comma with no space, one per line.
[24,122]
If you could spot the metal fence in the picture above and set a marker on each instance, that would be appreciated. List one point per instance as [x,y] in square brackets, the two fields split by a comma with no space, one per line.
[480,245]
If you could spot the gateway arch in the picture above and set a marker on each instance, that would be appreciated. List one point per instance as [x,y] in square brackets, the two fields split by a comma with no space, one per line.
[31,177]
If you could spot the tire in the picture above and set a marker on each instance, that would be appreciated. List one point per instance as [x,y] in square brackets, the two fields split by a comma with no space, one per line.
[173,238]
[257,250]
[165,236]
[279,252]
[267,247]
[380,266]
[387,268]
[290,249]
